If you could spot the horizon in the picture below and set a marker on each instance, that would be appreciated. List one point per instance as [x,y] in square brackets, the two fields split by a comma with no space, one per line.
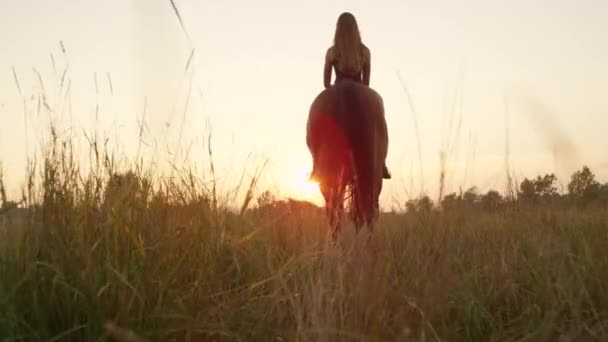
[473,71]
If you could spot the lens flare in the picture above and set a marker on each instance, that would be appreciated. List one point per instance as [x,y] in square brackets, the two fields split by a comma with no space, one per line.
[302,188]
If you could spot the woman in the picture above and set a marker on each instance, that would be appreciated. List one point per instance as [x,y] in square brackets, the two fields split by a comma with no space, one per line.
[349,57]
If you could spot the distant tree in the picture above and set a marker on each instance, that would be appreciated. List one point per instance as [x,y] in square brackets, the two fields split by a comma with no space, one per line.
[583,185]
[2,189]
[471,197]
[492,200]
[539,188]
[603,192]
[527,190]
[410,206]
[8,206]
[546,186]
[292,206]
[423,204]
[451,201]
[266,199]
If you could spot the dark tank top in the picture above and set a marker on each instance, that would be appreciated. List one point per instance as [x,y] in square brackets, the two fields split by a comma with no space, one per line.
[357,77]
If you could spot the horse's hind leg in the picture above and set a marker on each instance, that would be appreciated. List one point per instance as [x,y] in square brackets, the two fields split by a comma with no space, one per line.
[372,219]
[358,216]
[337,226]
[334,232]
[334,214]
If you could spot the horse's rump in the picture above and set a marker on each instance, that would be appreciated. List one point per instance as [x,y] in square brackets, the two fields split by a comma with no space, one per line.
[346,131]
[342,114]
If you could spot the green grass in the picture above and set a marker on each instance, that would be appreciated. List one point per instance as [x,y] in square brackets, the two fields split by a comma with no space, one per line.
[129,257]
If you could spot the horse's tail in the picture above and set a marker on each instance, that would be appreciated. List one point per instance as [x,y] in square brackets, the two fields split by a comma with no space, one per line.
[357,122]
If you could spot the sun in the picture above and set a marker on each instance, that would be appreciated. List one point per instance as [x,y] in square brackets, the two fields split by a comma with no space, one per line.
[302,188]
[308,188]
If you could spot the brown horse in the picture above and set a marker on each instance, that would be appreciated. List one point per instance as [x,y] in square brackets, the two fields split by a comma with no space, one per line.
[347,137]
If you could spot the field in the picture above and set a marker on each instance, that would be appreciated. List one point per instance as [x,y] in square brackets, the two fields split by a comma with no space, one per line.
[110,251]
[128,256]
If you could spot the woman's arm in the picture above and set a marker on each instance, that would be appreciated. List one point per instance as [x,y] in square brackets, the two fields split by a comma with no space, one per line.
[329,61]
[367,64]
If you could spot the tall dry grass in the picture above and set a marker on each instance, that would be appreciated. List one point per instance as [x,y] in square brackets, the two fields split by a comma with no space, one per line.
[130,255]
[119,251]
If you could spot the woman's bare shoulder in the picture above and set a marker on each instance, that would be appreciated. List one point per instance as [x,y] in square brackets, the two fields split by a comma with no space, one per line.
[329,55]
[366,50]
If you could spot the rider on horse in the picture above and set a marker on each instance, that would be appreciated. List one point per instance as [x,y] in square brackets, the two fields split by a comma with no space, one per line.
[350,59]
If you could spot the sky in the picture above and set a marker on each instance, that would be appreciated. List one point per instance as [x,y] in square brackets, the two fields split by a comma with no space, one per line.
[475,81]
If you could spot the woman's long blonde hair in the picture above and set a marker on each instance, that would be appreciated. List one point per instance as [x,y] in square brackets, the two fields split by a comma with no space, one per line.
[348,48]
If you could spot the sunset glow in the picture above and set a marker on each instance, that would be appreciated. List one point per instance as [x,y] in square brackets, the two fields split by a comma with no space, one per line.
[298,186]
[446,72]
[308,188]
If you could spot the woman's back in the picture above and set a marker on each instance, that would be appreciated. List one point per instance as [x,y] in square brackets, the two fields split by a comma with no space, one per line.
[348,56]
[347,66]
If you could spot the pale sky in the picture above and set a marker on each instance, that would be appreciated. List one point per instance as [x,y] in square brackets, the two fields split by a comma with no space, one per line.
[258,66]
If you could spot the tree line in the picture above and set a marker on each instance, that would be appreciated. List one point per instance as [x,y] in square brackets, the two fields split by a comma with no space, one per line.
[136,192]
[582,189]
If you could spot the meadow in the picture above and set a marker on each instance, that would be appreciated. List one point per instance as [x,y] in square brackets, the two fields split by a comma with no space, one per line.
[123,252]
[127,255]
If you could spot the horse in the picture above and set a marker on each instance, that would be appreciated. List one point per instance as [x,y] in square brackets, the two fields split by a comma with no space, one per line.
[347,136]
